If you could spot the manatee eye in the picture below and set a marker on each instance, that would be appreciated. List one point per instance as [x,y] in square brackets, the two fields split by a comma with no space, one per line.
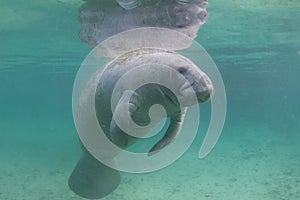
[182,70]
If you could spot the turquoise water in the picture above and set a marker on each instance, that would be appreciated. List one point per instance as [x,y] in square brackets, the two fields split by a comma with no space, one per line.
[255,44]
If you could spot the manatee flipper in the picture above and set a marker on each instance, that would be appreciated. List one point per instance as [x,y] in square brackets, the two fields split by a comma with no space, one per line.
[171,133]
[131,100]
[91,179]
[117,136]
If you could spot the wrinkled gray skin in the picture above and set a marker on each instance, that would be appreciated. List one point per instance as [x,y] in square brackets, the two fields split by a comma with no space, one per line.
[101,19]
[150,94]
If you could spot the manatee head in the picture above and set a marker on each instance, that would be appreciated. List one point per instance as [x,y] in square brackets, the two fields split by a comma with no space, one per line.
[194,82]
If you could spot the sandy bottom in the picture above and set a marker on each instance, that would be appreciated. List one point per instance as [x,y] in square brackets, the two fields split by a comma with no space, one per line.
[256,162]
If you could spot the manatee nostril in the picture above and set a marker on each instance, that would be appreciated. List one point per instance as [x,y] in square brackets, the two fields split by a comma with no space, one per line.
[202,15]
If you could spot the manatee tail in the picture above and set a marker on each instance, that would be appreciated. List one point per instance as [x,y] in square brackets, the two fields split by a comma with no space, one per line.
[91,179]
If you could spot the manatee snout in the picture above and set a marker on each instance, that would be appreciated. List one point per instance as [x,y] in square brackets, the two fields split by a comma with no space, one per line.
[195,83]
[203,88]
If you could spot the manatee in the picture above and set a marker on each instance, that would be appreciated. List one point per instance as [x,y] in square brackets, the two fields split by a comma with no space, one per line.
[92,179]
